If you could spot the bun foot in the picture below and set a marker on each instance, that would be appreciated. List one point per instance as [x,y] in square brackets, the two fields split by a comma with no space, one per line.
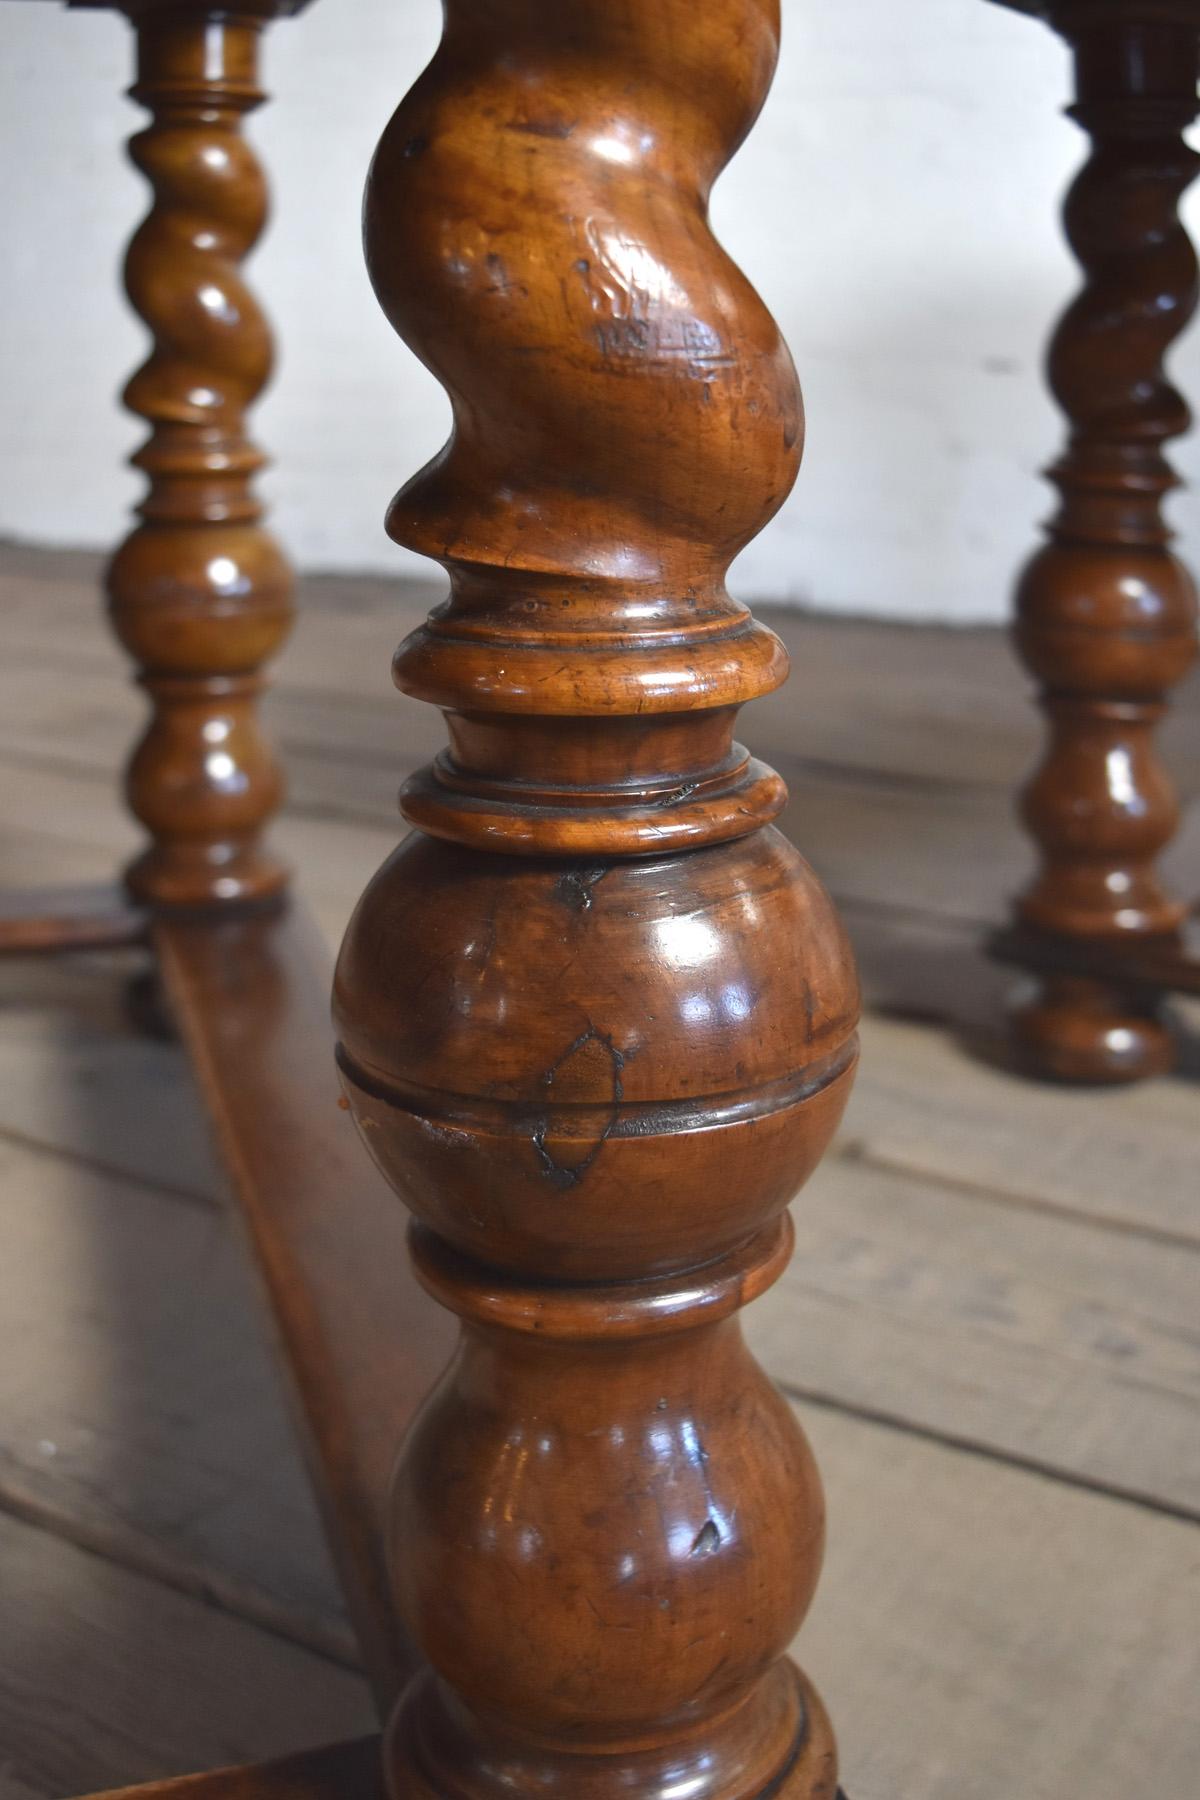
[1082,1031]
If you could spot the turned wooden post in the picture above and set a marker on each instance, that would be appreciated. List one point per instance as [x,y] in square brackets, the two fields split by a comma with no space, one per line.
[1105,613]
[200,593]
[596,1016]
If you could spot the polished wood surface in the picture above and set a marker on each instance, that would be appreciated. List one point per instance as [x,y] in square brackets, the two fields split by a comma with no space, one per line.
[1106,613]
[200,592]
[596,1016]
[362,1343]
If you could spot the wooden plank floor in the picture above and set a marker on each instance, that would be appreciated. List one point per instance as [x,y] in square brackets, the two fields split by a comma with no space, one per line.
[991,1328]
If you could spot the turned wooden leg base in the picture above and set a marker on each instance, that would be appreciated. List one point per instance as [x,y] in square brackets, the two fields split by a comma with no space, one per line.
[1076,1029]
[1096,1014]
[207,878]
[433,1748]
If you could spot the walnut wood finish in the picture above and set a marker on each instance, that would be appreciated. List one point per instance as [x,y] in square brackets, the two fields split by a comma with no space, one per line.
[1105,612]
[596,1016]
[200,593]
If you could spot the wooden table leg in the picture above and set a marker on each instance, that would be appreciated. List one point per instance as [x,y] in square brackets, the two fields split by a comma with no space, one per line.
[1105,613]
[200,593]
[596,1016]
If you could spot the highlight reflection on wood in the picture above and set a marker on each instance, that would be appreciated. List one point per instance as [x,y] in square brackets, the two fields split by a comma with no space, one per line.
[596,1016]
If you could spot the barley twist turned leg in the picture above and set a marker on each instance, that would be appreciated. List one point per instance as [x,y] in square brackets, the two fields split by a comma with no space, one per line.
[1106,614]
[200,593]
[596,1016]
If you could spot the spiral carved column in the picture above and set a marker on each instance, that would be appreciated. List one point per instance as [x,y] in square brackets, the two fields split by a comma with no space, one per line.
[1105,613]
[200,593]
[596,1016]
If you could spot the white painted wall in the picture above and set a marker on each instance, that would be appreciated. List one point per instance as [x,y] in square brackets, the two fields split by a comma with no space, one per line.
[896,205]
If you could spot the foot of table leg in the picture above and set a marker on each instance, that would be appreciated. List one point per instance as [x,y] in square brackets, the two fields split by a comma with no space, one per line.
[1080,1030]
[1097,1011]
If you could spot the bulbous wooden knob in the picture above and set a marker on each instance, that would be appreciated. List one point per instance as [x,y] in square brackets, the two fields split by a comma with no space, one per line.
[639,1063]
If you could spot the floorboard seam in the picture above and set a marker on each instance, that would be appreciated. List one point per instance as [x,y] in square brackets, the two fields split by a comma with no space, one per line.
[858,1150]
[144,1556]
[79,1159]
[965,1446]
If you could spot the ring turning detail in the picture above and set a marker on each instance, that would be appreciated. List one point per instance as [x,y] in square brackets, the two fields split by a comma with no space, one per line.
[596,1016]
